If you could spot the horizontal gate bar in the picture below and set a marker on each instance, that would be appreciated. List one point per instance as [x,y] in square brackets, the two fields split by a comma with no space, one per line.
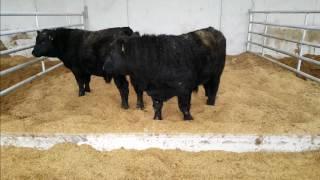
[312,28]
[3,33]
[13,50]
[289,68]
[289,40]
[286,12]
[6,91]
[286,53]
[20,66]
[39,14]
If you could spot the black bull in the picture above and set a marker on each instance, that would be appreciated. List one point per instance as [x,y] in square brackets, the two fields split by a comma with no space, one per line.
[165,66]
[84,53]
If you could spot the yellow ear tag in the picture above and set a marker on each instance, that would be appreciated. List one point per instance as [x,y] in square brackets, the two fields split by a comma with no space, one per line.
[122,48]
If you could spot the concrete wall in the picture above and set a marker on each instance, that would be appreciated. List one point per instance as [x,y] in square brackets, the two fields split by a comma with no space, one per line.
[167,16]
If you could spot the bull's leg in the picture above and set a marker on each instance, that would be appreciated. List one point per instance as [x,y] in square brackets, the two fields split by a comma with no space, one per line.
[80,80]
[184,106]
[87,79]
[157,106]
[122,85]
[107,78]
[139,92]
[211,88]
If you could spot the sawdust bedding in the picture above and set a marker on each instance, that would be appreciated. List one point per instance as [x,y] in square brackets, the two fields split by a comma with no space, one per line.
[255,96]
[66,161]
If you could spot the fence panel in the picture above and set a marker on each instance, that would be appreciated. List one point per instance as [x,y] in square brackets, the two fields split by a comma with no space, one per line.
[302,43]
[83,18]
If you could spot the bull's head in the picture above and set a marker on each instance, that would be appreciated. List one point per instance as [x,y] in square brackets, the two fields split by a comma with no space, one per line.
[115,61]
[45,44]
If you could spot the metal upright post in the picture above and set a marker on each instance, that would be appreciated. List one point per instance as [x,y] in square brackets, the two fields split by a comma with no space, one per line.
[43,66]
[249,30]
[265,32]
[68,20]
[302,40]
[84,18]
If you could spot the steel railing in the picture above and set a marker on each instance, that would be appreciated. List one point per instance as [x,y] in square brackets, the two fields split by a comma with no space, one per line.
[83,19]
[305,27]
[4,33]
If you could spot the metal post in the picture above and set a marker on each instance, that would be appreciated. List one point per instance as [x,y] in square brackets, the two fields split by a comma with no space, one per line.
[265,32]
[68,20]
[37,21]
[43,67]
[249,29]
[302,39]
[84,19]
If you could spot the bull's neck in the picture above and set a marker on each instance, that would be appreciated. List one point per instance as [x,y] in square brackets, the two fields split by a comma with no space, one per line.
[62,43]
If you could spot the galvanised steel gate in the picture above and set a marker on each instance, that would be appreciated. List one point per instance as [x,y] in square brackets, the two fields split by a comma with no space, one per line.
[83,19]
[302,43]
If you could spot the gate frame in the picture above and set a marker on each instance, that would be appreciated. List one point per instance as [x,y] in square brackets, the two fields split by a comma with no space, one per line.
[83,24]
[300,43]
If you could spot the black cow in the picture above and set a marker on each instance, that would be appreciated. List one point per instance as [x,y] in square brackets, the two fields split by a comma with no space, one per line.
[84,53]
[166,65]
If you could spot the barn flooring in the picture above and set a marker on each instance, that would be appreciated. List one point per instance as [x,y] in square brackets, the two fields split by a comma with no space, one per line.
[255,97]
[66,161]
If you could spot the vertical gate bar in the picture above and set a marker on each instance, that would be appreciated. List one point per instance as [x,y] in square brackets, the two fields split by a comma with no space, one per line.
[84,18]
[68,20]
[37,21]
[302,39]
[265,32]
[82,21]
[43,66]
[249,30]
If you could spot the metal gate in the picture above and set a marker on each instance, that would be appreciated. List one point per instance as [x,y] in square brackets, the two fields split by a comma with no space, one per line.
[83,19]
[302,43]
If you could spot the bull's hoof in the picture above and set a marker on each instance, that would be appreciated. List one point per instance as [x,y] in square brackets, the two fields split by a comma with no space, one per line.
[140,106]
[87,90]
[188,117]
[157,118]
[210,102]
[124,106]
[81,93]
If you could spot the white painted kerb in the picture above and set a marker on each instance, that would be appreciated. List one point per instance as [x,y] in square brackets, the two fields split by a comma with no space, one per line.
[185,142]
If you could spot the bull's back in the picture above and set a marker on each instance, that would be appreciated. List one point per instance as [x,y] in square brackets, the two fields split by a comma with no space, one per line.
[195,55]
[95,47]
